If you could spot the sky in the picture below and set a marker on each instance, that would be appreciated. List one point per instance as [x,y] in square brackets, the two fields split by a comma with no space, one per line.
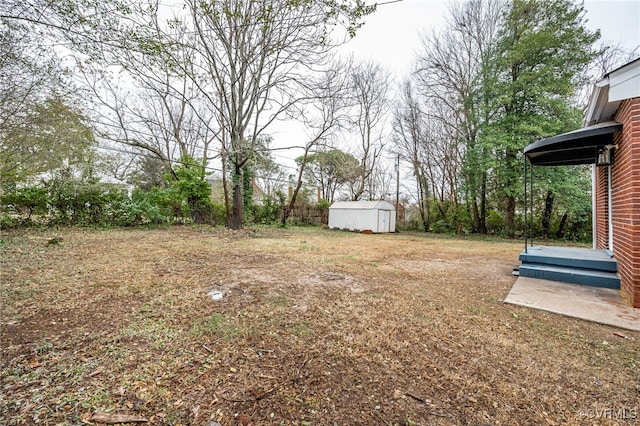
[392,36]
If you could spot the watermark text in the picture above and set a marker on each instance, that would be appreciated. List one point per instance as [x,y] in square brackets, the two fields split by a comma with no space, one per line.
[616,413]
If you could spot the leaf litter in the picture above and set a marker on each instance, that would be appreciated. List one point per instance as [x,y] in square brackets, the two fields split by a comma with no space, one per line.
[314,327]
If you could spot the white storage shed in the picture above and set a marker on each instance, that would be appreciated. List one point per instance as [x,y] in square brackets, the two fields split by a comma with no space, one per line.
[363,216]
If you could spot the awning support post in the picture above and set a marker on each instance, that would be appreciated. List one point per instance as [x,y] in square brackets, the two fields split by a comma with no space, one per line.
[531,203]
[526,224]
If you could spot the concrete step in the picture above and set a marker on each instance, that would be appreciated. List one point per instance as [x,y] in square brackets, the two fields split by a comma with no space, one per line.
[571,275]
[596,260]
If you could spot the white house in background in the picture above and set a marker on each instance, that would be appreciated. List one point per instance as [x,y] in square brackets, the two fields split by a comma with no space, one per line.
[363,216]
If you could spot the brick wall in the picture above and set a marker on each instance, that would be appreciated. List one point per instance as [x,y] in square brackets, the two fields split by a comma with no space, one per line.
[625,181]
[602,208]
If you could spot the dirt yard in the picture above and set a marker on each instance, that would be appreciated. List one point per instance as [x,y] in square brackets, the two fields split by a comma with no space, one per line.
[314,327]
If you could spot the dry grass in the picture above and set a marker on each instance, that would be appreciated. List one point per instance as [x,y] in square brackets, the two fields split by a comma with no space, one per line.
[315,327]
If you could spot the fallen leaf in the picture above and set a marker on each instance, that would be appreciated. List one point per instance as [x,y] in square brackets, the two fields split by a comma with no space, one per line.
[34,363]
[96,372]
[111,419]
[244,420]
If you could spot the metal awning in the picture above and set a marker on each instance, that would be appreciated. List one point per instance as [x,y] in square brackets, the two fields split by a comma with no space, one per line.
[577,147]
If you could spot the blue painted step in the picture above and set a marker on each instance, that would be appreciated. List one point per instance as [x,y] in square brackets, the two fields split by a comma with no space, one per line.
[571,275]
[580,258]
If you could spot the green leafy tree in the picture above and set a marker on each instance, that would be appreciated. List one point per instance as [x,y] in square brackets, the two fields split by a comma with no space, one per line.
[540,56]
[190,185]
[150,173]
[41,128]
[330,170]
[50,135]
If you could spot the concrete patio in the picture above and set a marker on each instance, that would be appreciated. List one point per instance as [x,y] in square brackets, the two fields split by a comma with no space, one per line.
[601,305]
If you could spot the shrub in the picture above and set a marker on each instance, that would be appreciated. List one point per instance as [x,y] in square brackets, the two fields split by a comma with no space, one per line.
[441,227]
[218,214]
[7,221]
[323,205]
[19,205]
[191,190]
[76,202]
[270,211]
[495,222]
[140,210]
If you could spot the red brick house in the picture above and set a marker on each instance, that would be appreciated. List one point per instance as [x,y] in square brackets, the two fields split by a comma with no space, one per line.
[617,187]
[610,141]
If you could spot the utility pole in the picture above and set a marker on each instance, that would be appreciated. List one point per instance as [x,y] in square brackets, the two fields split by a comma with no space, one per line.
[397,191]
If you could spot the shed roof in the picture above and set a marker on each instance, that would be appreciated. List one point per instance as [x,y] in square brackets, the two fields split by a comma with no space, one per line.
[362,205]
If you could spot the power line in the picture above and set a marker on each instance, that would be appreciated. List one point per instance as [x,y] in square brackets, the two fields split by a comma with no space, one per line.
[179,162]
[145,155]
[388,2]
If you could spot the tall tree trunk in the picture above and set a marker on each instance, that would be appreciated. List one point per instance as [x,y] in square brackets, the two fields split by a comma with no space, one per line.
[509,185]
[472,205]
[470,211]
[236,214]
[292,202]
[423,199]
[225,189]
[546,215]
[482,222]
[474,212]
[509,213]
[563,222]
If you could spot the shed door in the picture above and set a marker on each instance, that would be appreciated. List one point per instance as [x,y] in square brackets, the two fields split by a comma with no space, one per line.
[384,221]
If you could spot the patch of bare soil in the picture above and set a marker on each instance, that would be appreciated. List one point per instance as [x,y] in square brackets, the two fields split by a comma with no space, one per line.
[197,326]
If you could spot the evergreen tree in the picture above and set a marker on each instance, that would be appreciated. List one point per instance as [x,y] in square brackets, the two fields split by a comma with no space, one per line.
[543,48]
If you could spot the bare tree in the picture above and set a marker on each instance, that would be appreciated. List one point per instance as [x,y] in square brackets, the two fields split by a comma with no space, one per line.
[256,58]
[410,137]
[380,184]
[324,115]
[369,86]
[248,60]
[148,102]
[450,73]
